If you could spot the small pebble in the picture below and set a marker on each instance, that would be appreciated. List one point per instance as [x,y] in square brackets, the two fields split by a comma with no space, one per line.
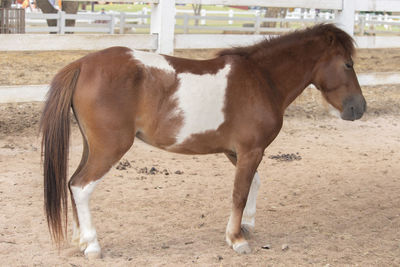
[267,246]
[285,247]
[153,170]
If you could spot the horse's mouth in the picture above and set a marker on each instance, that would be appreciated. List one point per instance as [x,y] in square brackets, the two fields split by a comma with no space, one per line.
[353,108]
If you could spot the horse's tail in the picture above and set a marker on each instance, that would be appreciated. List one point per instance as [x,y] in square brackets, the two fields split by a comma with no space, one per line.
[55,126]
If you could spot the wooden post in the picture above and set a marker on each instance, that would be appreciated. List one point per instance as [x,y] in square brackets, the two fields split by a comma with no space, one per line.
[163,25]
[345,18]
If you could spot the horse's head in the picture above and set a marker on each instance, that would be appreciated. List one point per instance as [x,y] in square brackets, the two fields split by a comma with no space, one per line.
[335,77]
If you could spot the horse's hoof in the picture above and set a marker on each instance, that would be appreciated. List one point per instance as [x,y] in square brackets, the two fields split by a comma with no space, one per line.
[242,248]
[93,255]
[93,251]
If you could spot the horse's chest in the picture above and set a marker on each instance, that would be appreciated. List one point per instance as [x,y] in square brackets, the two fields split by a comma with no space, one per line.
[200,102]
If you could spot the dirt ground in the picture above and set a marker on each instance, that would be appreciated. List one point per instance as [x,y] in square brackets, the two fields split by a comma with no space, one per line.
[329,188]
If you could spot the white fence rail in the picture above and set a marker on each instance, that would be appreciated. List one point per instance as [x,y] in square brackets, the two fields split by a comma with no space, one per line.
[85,22]
[29,93]
[162,27]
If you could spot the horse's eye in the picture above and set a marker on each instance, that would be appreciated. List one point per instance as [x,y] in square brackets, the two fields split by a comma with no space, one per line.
[349,65]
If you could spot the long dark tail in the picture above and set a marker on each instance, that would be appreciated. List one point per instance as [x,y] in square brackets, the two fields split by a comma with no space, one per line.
[55,126]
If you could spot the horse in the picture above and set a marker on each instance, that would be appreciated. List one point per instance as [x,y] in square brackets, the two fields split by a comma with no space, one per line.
[232,104]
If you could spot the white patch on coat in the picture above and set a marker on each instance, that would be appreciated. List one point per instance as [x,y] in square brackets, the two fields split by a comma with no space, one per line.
[201,100]
[152,60]
[88,237]
[249,213]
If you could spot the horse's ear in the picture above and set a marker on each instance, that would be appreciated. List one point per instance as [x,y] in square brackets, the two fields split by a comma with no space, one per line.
[330,38]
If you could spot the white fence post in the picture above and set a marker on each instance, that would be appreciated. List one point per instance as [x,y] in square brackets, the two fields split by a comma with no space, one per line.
[185,23]
[61,22]
[122,18]
[162,24]
[257,23]
[145,11]
[112,23]
[230,14]
[203,13]
[345,18]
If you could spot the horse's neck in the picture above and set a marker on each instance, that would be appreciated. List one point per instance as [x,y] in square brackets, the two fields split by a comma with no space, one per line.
[289,75]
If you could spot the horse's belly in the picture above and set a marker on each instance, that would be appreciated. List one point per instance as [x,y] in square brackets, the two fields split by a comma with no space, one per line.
[185,117]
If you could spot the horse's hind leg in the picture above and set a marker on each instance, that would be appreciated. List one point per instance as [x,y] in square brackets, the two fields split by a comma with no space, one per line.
[75,222]
[105,148]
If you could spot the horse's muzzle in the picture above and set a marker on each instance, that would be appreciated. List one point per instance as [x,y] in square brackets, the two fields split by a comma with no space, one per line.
[353,107]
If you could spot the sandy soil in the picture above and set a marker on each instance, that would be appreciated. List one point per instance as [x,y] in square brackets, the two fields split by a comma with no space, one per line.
[336,203]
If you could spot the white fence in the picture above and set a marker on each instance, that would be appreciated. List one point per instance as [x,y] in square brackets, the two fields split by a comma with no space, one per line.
[162,27]
[246,21]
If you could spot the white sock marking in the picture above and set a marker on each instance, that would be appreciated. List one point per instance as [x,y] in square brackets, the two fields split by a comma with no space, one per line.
[249,212]
[201,100]
[229,227]
[152,60]
[87,231]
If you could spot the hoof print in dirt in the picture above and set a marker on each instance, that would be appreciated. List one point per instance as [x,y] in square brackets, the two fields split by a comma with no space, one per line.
[123,165]
[286,157]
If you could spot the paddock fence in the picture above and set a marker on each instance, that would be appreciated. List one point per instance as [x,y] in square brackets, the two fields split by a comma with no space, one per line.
[29,93]
[250,22]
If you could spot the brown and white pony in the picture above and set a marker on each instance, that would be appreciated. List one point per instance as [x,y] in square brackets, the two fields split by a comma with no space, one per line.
[232,104]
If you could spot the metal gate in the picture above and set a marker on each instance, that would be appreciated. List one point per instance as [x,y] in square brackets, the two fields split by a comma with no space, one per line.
[12,20]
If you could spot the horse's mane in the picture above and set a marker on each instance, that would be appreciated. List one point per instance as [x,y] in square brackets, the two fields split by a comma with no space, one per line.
[337,36]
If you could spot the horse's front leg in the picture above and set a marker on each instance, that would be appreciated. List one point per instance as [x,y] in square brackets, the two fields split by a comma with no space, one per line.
[246,167]
[249,213]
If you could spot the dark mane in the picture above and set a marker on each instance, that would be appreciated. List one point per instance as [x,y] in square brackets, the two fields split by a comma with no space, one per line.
[329,31]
